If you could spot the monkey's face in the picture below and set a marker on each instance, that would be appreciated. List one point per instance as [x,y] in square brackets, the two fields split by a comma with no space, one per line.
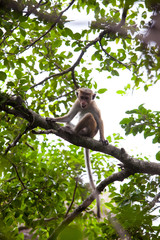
[84,101]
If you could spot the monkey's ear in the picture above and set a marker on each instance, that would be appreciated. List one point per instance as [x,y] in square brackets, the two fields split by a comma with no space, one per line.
[93,96]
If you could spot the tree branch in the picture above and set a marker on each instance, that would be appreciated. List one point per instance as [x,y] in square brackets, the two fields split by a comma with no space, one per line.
[13,144]
[122,233]
[120,176]
[138,166]
[15,167]
[70,206]
[153,202]
[110,56]
[124,15]
[36,120]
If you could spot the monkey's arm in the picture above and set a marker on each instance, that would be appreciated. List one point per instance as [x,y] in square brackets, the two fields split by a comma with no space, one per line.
[101,130]
[69,116]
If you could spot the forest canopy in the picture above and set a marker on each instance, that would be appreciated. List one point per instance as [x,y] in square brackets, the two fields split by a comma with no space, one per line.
[44,185]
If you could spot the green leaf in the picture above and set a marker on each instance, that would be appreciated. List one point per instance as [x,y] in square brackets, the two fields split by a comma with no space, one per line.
[77,36]
[18,73]
[102,12]
[132,111]
[57,43]
[68,32]
[125,121]
[10,84]
[156,139]
[121,92]
[22,31]
[102,90]
[3,76]
[71,232]
[77,49]
[148,133]
[158,156]
[114,73]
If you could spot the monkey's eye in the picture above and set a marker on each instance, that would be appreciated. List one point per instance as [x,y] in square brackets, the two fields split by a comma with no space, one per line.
[82,97]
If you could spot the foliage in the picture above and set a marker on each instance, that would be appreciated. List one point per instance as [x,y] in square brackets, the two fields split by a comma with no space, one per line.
[44,58]
[143,120]
[139,221]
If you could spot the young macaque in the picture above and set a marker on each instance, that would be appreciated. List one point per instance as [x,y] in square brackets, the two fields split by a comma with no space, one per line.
[90,122]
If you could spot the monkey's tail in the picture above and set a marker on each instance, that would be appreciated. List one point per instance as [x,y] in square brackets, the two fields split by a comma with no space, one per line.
[88,166]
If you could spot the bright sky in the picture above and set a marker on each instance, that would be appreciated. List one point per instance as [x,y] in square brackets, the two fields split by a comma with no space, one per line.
[114,112]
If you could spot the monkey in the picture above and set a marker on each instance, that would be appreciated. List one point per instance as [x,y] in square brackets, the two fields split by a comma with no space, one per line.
[90,122]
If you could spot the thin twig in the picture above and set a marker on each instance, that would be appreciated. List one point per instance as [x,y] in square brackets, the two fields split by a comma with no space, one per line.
[15,167]
[154,201]
[64,95]
[115,59]
[28,145]
[70,206]
[74,79]
[51,76]
[13,144]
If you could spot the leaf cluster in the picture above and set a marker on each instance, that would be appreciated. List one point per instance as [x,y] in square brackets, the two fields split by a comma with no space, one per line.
[143,120]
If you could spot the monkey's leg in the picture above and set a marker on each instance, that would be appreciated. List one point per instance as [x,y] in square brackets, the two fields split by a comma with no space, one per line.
[69,127]
[87,126]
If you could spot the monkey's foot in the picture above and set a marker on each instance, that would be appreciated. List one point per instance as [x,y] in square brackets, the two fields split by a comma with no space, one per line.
[104,142]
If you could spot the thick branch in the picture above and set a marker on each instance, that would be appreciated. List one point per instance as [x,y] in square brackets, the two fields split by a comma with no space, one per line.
[36,120]
[14,105]
[134,164]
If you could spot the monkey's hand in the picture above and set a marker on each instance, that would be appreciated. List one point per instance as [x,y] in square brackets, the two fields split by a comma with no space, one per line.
[50,119]
[104,141]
